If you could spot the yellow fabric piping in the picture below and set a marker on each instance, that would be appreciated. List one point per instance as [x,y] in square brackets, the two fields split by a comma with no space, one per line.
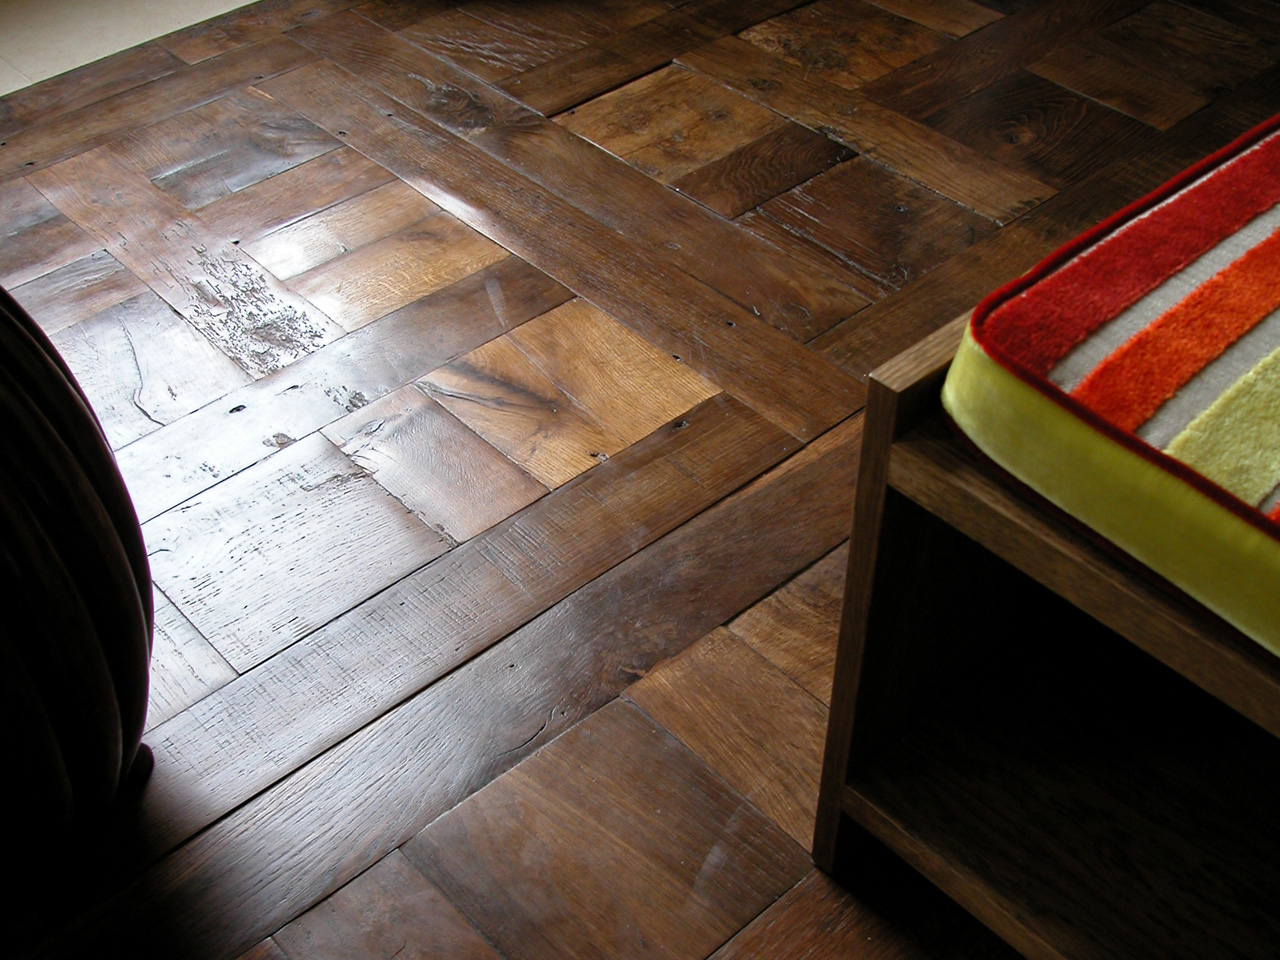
[1201,547]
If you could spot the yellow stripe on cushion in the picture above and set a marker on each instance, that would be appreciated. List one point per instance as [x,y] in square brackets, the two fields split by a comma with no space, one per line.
[1236,441]
[1200,546]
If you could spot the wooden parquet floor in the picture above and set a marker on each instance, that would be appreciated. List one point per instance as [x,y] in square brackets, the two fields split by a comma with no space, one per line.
[487,377]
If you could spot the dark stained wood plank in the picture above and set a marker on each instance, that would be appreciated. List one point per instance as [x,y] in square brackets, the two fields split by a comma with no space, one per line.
[266,557]
[483,48]
[390,910]
[757,171]
[786,294]
[1030,124]
[92,83]
[747,720]
[802,248]
[378,278]
[35,238]
[398,14]
[1085,67]
[86,286]
[456,483]
[225,891]
[609,854]
[341,228]
[844,43]
[178,461]
[95,123]
[223,146]
[142,366]
[341,677]
[726,344]
[796,627]
[991,54]
[245,312]
[1257,16]
[184,666]
[251,23]
[882,223]
[303,190]
[888,137]
[955,18]
[266,950]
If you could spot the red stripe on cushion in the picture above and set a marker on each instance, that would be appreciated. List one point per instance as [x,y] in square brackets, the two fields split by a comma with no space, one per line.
[1064,308]
[1275,513]
[1129,386]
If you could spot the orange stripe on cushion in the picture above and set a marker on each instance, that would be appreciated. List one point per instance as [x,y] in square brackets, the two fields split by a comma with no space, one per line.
[1275,513]
[1131,384]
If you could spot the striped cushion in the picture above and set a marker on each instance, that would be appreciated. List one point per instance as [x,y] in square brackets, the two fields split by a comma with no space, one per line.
[1158,334]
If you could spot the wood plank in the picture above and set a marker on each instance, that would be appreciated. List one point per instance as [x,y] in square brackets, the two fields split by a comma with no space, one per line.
[264,558]
[845,43]
[796,627]
[184,666]
[300,191]
[341,228]
[398,14]
[364,284]
[721,341]
[757,171]
[266,950]
[44,101]
[787,294]
[70,294]
[142,366]
[900,143]
[178,461]
[245,312]
[955,18]
[1029,124]
[37,238]
[390,910]
[483,48]
[251,23]
[452,480]
[95,123]
[1085,67]
[746,720]
[991,54]
[354,804]
[609,854]
[223,146]
[882,223]
[341,677]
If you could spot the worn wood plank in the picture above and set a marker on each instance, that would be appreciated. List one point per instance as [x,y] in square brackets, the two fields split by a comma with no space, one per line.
[844,43]
[747,720]
[266,950]
[266,557]
[398,14]
[888,137]
[726,344]
[142,366]
[36,237]
[245,312]
[95,123]
[955,18]
[223,892]
[456,483]
[364,284]
[609,854]
[184,666]
[787,294]
[390,910]
[483,48]
[252,23]
[796,627]
[70,294]
[178,461]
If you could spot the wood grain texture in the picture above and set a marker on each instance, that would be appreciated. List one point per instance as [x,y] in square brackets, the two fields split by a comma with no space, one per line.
[398,14]
[955,18]
[605,853]
[184,666]
[294,519]
[239,28]
[142,366]
[389,910]
[179,461]
[265,950]
[900,143]
[84,287]
[427,459]
[787,294]
[796,627]
[37,238]
[747,721]
[487,50]
[247,313]
[883,224]
[718,339]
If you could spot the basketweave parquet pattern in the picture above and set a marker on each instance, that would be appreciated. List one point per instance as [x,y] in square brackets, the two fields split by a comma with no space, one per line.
[488,375]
